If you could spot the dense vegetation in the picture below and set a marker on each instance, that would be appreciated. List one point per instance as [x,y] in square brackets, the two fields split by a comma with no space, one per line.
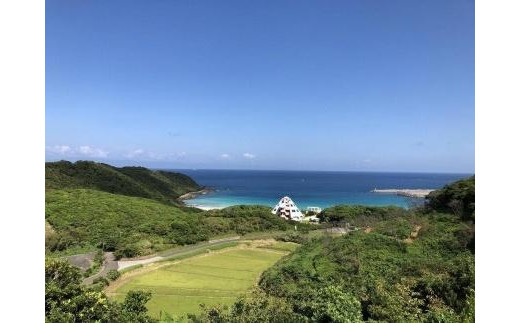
[66,300]
[131,181]
[360,215]
[134,226]
[392,279]
[457,198]
[401,266]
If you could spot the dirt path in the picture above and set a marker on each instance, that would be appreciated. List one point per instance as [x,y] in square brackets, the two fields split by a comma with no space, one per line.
[414,234]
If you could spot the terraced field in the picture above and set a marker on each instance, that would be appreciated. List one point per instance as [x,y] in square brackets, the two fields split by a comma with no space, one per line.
[214,278]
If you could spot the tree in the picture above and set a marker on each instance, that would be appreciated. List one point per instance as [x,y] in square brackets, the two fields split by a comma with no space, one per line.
[334,305]
[457,198]
[135,301]
[67,301]
[259,307]
[113,274]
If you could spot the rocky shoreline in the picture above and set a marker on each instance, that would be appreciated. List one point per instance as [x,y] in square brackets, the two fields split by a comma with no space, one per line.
[191,195]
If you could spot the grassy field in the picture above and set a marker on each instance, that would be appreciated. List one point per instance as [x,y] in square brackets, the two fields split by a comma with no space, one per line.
[282,246]
[214,278]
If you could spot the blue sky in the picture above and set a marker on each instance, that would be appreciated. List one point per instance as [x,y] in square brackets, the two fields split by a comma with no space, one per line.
[335,85]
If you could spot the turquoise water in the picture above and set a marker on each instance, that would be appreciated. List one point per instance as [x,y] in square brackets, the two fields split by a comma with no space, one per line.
[308,188]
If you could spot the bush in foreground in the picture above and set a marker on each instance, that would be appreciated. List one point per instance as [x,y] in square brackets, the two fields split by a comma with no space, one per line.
[259,307]
[113,274]
[67,301]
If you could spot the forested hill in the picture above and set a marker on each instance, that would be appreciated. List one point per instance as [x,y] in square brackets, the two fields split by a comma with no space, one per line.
[133,211]
[131,181]
[457,198]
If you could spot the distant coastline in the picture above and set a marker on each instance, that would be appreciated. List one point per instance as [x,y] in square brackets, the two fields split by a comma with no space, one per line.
[415,193]
[311,189]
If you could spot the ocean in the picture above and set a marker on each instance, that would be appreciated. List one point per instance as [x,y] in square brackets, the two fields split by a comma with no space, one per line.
[310,188]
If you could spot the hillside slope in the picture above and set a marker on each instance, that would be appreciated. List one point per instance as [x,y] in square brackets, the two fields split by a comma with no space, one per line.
[134,226]
[389,277]
[415,265]
[457,198]
[132,181]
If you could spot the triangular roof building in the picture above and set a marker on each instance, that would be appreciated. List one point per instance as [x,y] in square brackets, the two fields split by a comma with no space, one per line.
[287,209]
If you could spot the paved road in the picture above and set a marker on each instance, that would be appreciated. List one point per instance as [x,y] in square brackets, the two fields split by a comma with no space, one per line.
[108,264]
[84,261]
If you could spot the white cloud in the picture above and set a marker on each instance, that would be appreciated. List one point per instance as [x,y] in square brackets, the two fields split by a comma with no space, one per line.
[66,150]
[59,149]
[135,153]
[249,156]
[225,156]
[92,152]
[141,154]
[138,152]
[176,156]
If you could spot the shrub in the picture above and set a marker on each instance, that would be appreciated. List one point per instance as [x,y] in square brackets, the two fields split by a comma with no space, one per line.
[102,281]
[66,300]
[291,237]
[359,215]
[113,274]
[334,305]
[457,198]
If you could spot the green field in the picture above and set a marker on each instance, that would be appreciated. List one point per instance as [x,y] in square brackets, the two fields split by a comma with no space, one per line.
[216,278]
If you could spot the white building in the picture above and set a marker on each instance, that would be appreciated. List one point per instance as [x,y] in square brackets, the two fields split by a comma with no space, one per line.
[287,210]
[314,209]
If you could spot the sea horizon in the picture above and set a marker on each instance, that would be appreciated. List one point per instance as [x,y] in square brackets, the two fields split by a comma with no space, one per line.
[310,170]
[310,188]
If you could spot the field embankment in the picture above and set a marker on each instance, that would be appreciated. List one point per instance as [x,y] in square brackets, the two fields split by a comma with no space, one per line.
[216,277]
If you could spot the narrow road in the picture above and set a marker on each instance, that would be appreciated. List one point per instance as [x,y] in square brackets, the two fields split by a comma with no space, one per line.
[122,264]
[84,260]
[108,264]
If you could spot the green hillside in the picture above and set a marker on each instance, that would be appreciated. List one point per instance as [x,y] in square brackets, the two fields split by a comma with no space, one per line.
[414,265]
[131,181]
[457,198]
[360,215]
[134,226]
[409,268]
[382,276]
